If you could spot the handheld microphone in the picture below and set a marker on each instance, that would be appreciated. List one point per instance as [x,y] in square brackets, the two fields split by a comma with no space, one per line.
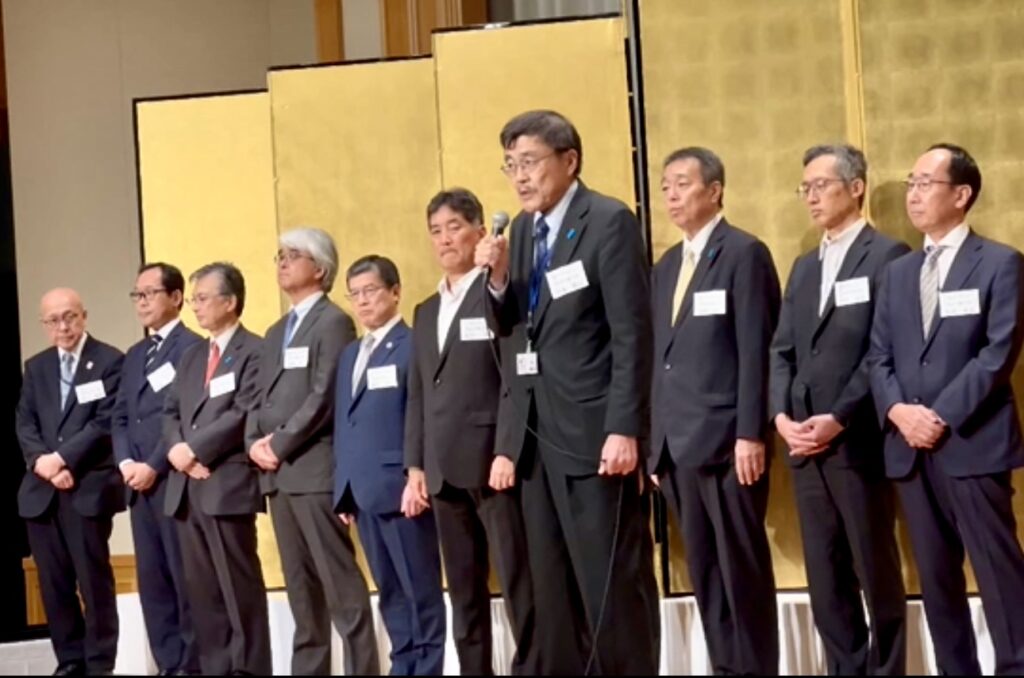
[499,222]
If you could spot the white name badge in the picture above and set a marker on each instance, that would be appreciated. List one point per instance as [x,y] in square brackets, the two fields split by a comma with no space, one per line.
[88,392]
[161,377]
[382,377]
[526,364]
[474,329]
[296,358]
[711,302]
[225,383]
[959,303]
[567,279]
[853,291]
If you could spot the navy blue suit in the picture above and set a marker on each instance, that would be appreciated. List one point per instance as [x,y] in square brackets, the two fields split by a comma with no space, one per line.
[958,495]
[369,478]
[137,431]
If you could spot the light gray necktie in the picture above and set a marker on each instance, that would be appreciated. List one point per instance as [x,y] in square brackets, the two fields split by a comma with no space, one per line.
[67,377]
[929,286]
[365,348]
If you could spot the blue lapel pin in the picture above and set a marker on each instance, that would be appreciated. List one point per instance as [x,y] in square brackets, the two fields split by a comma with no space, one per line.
[571,234]
[228,359]
[388,345]
[711,253]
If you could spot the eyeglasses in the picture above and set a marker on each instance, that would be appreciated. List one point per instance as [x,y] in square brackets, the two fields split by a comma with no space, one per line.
[201,299]
[291,256]
[511,167]
[69,318]
[816,187]
[148,295]
[369,292]
[923,185]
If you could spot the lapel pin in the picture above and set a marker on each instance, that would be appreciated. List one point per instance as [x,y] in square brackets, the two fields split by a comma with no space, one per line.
[388,345]
[711,253]
[228,360]
[88,365]
[571,234]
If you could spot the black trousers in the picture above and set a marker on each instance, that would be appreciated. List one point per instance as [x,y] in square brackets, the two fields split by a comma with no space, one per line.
[947,516]
[571,526]
[730,564]
[324,584]
[72,553]
[165,608]
[226,593]
[848,525]
[473,525]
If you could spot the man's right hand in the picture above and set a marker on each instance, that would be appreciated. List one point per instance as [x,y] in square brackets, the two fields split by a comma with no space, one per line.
[415,498]
[799,438]
[918,425]
[493,252]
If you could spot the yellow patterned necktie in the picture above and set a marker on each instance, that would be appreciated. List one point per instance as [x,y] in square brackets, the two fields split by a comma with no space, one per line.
[685,275]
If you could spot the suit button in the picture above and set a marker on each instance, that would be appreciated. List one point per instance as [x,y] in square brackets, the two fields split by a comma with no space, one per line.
[924,361]
[194,427]
[138,421]
[268,405]
[352,424]
[437,382]
[667,366]
[60,439]
[917,400]
[815,351]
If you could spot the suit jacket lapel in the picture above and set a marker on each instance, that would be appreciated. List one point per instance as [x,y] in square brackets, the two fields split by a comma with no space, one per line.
[467,309]
[226,364]
[568,239]
[707,260]
[166,346]
[966,260]
[379,357]
[859,249]
[275,338]
[84,373]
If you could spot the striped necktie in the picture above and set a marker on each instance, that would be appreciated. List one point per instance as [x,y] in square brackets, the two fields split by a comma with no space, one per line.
[930,286]
[155,340]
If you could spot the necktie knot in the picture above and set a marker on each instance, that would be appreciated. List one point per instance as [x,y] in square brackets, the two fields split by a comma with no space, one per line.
[541,228]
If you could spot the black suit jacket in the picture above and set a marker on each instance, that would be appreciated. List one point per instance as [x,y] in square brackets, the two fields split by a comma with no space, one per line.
[215,429]
[962,369]
[137,426]
[593,345]
[80,433]
[819,363]
[297,405]
[711,371]
[452,410]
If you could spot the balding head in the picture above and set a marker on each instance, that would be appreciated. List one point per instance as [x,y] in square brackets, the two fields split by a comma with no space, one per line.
[63,315]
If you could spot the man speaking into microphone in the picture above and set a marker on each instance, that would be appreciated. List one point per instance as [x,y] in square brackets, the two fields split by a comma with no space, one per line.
[570,291]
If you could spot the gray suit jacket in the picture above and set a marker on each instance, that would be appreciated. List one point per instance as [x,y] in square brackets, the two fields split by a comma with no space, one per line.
[215,428]
[296,405]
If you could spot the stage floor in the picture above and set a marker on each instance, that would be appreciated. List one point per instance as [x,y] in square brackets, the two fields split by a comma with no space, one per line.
[682,648]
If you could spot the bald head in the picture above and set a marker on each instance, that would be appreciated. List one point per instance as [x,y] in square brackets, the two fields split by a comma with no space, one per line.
[63,315]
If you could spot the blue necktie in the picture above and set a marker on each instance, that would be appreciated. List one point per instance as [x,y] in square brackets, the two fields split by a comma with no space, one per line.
[67,377]
[541,261]
[289,328]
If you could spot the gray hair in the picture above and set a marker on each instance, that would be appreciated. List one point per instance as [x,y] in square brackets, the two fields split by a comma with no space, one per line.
[850,161]
[319,245]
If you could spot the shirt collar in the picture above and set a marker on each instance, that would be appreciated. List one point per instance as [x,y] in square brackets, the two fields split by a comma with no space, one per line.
[166,330]
[556,215]
[303,307]
[225,337]
[700,240]
[953,240]
[77,353]
[465,282]
[383,330]
[844,239]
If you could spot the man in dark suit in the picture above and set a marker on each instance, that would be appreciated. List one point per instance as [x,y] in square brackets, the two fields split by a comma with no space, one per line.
[369,473]
[822,407]
[716,303]
[214,492]
[72,490]
[289,436]
[454,389]
[569,291]
[149,369]
[948,328]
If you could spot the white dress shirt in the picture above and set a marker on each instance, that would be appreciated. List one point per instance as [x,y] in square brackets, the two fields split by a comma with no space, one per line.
[831,254]
[556,215]
[224,338]
[364,358]
[166,330]
[76,355]
[951,245]
[451,301]
[695,246]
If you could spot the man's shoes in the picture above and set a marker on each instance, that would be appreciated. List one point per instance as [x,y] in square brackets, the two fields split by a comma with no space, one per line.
[70,669]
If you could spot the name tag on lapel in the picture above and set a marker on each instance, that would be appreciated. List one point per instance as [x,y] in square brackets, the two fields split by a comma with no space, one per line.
[567,279]
[161,377]
[474,329]
[853,291]
[90,391]
[959,303]
[382,377]
[222,384]
[296,358]
[711,302]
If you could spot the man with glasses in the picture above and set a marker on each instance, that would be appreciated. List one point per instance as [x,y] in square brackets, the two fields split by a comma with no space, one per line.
[369,476]
[71,490]
[570,290]
[150,368]
[948,329]
[821,401]
[289,437]
[214,491]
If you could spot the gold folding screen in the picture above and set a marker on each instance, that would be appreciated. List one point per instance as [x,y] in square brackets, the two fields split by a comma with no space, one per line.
[206,186]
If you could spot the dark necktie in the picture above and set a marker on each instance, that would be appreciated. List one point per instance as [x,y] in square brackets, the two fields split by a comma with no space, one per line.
[541,261]
[155,340]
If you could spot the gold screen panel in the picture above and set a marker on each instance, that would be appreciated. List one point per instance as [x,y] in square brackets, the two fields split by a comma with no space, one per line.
[484,77]
[355,153]
[207,194]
